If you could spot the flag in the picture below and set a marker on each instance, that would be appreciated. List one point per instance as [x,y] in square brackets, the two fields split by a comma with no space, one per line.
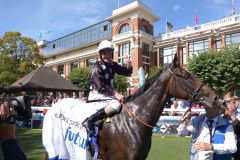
[169,26]
[39,34]
[196,19]
[46,31]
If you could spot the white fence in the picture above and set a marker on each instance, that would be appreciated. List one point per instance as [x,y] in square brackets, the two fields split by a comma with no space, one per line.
[165,119]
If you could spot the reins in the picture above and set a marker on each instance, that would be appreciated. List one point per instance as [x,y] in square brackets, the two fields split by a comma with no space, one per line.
[126,108]
[190,90]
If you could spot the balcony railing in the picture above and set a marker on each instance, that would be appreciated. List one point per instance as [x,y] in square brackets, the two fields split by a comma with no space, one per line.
[204,27]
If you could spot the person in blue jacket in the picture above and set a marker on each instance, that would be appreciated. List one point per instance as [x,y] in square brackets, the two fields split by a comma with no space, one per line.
[9,144]
[212,135]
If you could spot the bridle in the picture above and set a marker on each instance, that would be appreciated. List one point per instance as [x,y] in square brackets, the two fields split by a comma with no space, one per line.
[189,89]
[192,92]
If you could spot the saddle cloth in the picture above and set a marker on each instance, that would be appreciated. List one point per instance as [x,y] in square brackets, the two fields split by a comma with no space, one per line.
[63,135]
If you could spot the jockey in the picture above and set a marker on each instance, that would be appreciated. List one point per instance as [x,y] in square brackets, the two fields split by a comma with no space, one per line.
[103,73]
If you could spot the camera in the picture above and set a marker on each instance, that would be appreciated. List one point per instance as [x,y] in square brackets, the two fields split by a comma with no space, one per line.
[22,106]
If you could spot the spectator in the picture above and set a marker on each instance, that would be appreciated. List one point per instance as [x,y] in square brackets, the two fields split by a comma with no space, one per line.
[234,116]
[235,100]
[212,135]
[185,104]
[65,95]
[175,105]
[51,99]
[46,102]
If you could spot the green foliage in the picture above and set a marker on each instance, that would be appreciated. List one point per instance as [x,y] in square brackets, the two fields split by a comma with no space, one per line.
[18,56]
[219,69]
[121,84]
[153,71]
[81,78]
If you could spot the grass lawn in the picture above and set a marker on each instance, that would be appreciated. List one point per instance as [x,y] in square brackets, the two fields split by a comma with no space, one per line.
[164,147]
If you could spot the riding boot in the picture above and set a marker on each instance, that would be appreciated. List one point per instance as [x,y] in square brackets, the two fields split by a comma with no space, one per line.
[89,122]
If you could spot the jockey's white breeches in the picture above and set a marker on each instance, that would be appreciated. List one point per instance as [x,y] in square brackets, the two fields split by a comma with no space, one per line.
[111,101]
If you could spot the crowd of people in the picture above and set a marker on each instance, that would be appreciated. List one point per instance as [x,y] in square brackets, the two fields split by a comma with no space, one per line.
[41,100]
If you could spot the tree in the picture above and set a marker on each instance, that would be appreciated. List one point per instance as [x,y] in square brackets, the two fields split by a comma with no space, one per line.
[219,69]
[121,84]
[18,56]
[153,71]
[81,78]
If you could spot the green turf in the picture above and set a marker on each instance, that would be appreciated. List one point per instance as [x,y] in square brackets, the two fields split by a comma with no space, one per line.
[164,147]
[31,142]
[169,147]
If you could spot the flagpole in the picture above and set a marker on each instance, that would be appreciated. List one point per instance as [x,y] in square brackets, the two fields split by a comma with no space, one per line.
[166,26]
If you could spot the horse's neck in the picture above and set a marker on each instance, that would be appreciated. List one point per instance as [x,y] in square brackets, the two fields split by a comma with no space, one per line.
[151,103]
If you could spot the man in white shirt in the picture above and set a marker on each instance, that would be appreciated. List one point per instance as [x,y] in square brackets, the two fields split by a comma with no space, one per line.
[212,136]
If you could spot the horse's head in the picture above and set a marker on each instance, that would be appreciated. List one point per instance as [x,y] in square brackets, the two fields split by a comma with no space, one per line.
[184,84]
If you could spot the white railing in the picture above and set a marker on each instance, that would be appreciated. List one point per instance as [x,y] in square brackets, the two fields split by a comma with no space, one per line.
[123,35]
[166,120]
[38,113]
[204,27]
[145,35]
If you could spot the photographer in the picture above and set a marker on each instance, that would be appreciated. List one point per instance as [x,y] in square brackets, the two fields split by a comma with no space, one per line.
[10,147]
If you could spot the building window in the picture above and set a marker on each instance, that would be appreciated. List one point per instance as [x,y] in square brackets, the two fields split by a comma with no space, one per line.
[145,48]
[218,45]
[232,39]
[184,58]
[93,33]
[105,28]
[167,54]
[90,62]
[74,65]
[61,69]
[125,28]
[123,52]
[195,47]
[145,57]
[144,29]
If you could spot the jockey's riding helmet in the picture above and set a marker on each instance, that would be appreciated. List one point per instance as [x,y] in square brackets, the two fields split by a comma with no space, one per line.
[105,44]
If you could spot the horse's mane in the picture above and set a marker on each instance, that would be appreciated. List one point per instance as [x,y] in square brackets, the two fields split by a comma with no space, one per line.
[146,85]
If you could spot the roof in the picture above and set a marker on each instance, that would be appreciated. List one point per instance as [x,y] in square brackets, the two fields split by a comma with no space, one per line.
[42,79]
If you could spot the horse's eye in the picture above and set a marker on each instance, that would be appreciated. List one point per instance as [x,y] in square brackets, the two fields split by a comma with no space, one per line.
[187,76]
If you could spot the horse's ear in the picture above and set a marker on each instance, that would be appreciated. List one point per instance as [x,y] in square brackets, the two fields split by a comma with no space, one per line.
[175,61]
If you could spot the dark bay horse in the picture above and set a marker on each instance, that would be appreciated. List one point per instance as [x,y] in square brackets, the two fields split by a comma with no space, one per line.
[125,137]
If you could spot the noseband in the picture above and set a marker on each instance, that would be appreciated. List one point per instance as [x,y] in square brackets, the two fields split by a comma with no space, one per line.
[190,90]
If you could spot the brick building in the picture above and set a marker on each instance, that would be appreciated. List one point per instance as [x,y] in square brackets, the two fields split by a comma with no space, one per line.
[130,28]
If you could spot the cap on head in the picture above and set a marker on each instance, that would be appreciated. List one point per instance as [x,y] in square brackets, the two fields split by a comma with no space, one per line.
[105,44]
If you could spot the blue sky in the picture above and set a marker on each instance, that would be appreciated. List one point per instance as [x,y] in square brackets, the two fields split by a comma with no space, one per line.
[63,17]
